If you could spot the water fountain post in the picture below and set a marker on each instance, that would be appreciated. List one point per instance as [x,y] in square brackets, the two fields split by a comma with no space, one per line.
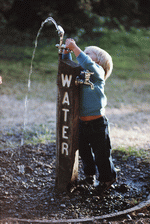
[67,123]
[67,114]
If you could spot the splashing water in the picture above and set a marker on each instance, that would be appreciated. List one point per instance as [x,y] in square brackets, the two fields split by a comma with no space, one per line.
[61,33]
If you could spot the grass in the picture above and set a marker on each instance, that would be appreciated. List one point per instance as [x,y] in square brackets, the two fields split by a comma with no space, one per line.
[129,82]
[131,151]
[130,53]
[39,134]
[15,70]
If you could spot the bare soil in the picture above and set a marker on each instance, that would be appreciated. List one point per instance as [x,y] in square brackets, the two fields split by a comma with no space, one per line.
[129,126]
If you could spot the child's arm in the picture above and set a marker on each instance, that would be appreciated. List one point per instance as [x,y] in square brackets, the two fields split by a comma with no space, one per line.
[84,60]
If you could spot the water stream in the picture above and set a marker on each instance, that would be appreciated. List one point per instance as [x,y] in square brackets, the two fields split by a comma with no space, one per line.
[61,33]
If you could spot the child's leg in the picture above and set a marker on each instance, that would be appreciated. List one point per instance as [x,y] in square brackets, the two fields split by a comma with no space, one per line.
[100,142]
[85,149]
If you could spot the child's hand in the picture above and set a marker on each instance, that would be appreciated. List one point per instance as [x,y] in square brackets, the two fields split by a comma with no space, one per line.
[71,44]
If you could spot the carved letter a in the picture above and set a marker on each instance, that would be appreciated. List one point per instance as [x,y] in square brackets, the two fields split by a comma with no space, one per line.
[66,99]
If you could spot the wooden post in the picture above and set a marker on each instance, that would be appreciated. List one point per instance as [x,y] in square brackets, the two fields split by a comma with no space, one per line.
[67,123]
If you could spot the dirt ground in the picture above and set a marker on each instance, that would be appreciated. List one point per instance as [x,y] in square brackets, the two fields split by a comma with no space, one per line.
[129,126]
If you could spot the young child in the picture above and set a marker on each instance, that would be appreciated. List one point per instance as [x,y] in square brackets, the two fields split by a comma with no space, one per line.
[94,140]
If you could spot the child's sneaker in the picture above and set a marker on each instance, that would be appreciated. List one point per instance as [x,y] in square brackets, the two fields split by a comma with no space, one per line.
[104,186]
[89,180]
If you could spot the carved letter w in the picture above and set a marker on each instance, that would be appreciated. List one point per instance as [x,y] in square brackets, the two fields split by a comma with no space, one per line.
[66,80]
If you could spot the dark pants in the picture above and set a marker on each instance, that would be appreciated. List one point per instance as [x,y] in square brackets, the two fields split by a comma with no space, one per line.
[95,148]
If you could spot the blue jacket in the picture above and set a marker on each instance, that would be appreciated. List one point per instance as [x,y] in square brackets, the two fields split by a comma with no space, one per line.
[92,102]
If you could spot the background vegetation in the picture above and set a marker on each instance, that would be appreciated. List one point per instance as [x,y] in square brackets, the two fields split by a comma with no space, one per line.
[120,27]
[72,15]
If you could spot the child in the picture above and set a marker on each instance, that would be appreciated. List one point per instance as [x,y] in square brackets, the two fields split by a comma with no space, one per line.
[93,125]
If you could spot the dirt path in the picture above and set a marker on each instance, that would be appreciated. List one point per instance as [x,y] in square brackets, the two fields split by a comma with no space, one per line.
[130,126]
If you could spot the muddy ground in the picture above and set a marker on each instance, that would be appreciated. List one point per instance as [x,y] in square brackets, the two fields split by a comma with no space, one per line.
[27,173]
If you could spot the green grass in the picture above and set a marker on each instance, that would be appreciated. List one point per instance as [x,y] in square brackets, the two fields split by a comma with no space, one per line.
[15,68]
[131,151]
[129,50]
[130,53]
[39,134]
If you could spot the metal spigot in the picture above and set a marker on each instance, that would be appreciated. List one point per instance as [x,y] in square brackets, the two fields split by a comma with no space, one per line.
[86,81]
[61,46]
